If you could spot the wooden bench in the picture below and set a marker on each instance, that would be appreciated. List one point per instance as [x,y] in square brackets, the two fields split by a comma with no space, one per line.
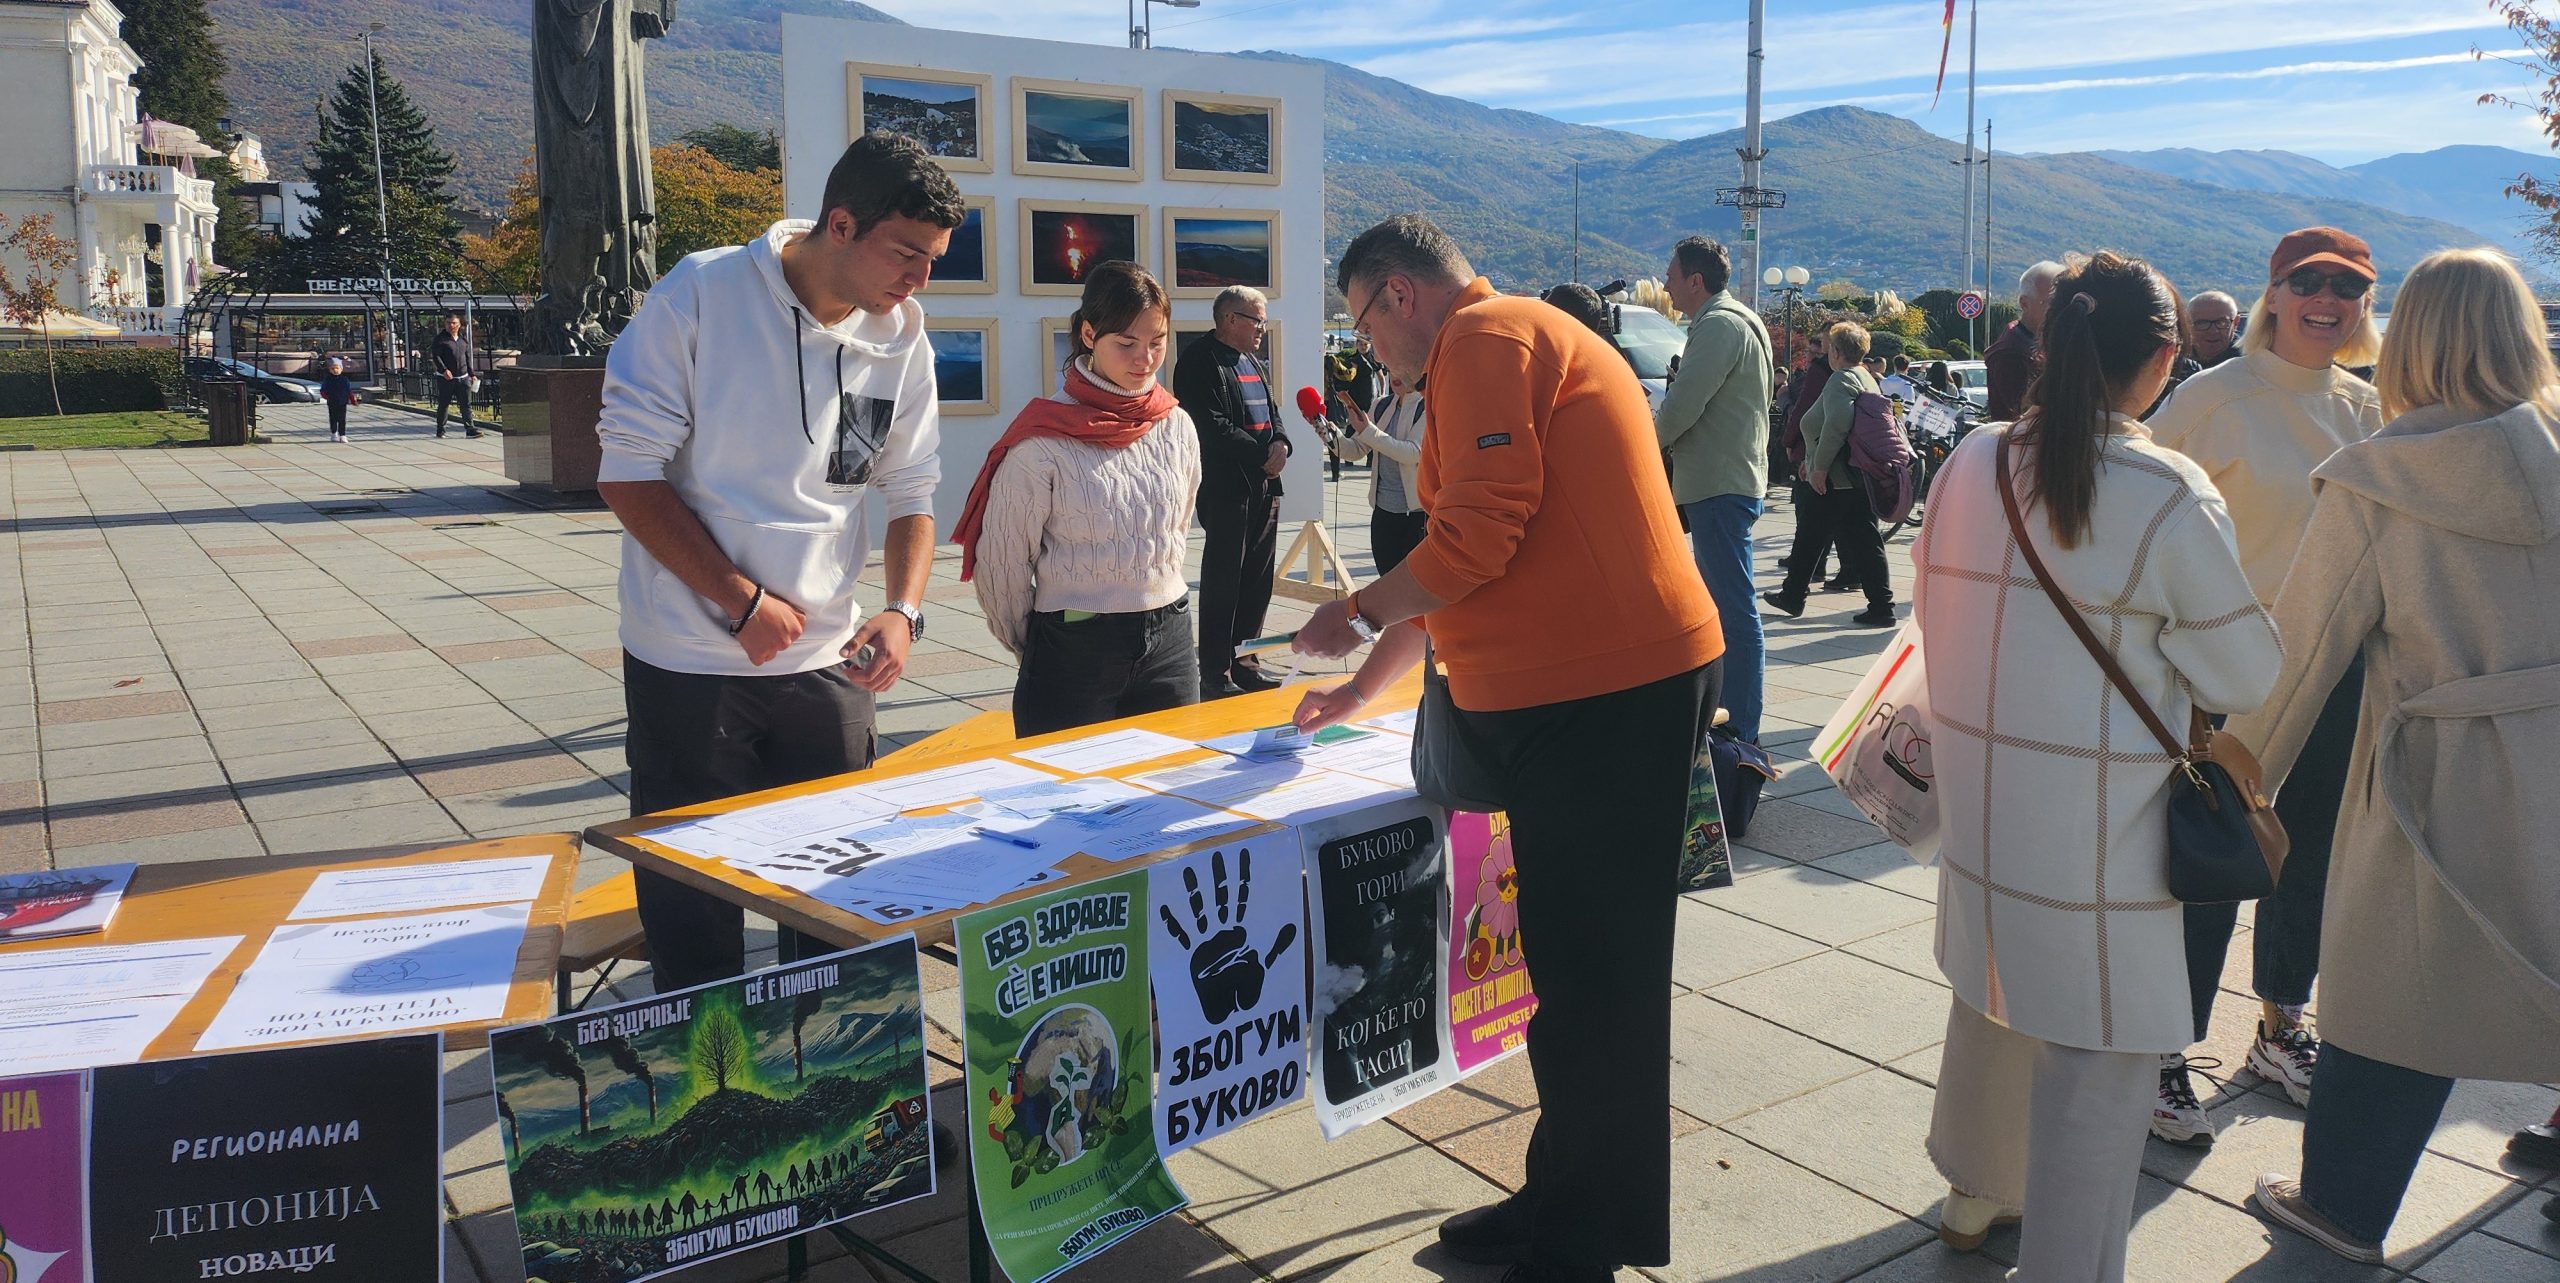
[604,919]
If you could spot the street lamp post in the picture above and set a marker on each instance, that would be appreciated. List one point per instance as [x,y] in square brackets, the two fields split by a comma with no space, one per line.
[1789,281]
[381,192]
[1144,36]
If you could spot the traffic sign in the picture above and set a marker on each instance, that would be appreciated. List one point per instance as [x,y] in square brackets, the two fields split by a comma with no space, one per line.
[1969,304]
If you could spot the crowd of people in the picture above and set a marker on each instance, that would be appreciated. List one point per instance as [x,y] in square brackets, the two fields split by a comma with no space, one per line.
[2360,576]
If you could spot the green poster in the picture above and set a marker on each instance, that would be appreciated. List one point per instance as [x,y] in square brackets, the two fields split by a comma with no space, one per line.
[1061,1056]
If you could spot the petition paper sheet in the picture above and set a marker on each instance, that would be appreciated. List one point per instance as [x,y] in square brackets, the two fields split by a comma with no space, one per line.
[353,979]
[345,893]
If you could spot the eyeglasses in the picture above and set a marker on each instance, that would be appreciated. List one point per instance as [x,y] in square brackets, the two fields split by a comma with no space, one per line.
[1360,323]
[2308,282]
[2212,323]
[1258,323]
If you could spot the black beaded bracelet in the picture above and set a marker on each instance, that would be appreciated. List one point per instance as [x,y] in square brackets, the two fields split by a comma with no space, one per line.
[754,604]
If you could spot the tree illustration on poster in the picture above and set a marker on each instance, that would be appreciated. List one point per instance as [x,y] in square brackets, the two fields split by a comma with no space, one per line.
[324,1162]
[1062,1138]
[1231,992]
[669,1131]
[1378,904]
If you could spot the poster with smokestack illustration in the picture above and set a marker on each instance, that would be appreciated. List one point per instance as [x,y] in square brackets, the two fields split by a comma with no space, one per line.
[651,1136]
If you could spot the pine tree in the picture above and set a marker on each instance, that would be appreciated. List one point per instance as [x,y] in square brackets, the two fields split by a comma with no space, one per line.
[426,238]
[181,82]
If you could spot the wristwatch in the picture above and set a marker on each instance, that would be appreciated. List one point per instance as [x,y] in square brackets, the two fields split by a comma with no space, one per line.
[1360,625]
[915,619]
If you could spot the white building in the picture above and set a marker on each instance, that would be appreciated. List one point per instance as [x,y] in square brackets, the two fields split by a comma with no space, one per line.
[74,148]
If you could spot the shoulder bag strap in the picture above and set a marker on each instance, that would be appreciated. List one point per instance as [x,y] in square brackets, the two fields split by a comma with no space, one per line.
[2071,614]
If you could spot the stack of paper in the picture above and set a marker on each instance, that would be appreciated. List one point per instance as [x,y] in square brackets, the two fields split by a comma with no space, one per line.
[100,1005]
[410,888]
[1108,751]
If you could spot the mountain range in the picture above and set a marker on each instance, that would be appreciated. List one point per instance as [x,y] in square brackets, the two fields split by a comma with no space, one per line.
[1870,197]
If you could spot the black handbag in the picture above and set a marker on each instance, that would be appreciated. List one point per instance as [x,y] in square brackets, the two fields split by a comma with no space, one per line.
[2225,842]
[1450,765]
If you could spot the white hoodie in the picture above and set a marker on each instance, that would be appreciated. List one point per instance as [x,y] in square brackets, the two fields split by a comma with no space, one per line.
[699,392]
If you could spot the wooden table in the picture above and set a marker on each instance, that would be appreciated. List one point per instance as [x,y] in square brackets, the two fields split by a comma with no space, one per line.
[978,739]
[250,897]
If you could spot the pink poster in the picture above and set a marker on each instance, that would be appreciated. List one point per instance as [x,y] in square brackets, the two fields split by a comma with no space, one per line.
[41,1236]
[1490,1000]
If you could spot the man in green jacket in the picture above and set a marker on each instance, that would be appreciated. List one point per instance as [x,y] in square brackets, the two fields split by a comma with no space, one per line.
[1714,430]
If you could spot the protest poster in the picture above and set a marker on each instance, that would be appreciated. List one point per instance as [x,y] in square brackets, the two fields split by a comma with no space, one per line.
[44,1234]
[1230,986]
[1490,998]
[324,1163]
[654,1135]
[1378,908]
[1062,1138]
[1706,857]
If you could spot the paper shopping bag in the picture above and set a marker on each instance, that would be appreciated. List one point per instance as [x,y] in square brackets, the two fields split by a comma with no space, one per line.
[1876,749]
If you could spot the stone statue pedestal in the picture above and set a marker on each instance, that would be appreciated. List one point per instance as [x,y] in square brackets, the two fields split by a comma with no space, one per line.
[552,404]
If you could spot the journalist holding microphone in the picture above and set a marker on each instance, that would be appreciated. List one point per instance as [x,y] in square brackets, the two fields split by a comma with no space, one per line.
[1582,654]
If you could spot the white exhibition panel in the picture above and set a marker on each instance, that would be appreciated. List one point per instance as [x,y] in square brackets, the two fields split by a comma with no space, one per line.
[817,115]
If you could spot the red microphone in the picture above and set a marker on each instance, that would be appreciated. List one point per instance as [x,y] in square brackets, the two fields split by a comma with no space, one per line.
[1311,404]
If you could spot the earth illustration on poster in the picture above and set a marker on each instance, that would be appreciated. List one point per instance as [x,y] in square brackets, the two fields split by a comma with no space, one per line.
[647,1137]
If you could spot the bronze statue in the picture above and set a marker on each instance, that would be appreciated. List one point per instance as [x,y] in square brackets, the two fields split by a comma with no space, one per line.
[591,160]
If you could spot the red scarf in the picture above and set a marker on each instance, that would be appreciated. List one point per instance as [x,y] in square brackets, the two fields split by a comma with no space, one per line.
[1096,415]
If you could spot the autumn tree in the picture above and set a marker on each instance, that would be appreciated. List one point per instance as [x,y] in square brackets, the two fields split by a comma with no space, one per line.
[2538,35]
[737,146]
[29,296]
[703,203]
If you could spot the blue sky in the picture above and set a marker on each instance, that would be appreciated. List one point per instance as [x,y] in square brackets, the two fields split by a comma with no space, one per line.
[2341,82]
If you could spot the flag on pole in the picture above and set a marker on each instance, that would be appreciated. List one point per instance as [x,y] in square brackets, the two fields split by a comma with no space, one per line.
[1946,41]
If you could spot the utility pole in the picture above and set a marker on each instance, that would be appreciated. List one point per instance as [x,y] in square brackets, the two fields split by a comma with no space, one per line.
[1987,276]
[1752,154]
[1577,220]
[381,196]
[1972,50]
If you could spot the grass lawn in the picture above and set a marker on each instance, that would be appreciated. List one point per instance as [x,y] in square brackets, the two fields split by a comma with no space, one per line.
[93,431]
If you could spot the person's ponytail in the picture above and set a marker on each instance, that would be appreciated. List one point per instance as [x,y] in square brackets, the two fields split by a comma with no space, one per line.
[2109,317]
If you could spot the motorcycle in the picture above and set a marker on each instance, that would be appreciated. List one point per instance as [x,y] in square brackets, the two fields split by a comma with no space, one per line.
[1935,422]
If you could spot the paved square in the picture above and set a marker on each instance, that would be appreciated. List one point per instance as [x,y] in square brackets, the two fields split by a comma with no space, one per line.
[304,646]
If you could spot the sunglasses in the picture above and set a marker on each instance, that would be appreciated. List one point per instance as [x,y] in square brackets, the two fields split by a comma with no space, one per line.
[2308,282]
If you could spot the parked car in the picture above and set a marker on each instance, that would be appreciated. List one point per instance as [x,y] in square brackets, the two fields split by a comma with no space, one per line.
[1976,380]
[1651,342]
[272,388]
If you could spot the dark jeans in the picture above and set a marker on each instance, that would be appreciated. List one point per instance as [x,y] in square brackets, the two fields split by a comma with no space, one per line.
[449,391]
[1106,667]
[1804,500]
[1237,563]
[2285,945]
[1394,535]
[694,738]
[1839,517]
[338,418]
[1720,537]
[1599,793]
[2369,1125]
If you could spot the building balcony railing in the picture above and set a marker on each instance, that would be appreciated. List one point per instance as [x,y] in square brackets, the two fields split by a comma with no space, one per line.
[151,182]
[143,320]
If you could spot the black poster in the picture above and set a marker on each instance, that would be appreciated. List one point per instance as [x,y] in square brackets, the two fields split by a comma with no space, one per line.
[314,1163]
[1380,915]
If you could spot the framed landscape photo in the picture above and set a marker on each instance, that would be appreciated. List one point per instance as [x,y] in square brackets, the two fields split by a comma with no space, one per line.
[1221,138]
[968,266]
[1070,129]
[964,363]
[1064,240]
[1057,340]
[1207,250]
[944,110]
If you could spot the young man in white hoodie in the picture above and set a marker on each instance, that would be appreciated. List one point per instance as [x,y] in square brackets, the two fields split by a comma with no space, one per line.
[765,396]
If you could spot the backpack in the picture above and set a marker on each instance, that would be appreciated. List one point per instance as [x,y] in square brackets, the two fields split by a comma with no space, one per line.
[1881,456]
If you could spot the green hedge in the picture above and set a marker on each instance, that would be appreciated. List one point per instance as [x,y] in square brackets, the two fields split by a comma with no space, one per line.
[95,380]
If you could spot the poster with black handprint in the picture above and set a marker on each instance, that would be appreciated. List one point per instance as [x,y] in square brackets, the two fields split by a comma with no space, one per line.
[1378,917]
[862,431]
[1228,957]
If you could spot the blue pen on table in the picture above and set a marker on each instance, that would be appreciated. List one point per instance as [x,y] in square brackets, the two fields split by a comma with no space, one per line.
[1006,838]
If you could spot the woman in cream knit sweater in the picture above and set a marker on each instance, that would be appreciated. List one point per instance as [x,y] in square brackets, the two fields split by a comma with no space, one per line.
[1080,522]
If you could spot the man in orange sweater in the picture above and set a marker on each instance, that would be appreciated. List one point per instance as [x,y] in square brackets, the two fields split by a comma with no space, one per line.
[1582,650]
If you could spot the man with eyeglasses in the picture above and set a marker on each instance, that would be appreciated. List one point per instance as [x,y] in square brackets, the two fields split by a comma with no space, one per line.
[1225,385]
[2213,319]
[2258,425]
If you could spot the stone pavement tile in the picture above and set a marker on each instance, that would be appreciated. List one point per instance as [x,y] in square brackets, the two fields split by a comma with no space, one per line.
[1833,802]
[538,675]
[110,706]
[1824,906]
[491,1239]
[1884,865]
[1289,1204]
[374,670]
[1862,1007]
[408,693]
[1172,1248]
[1796,777]
[2179,1237]
[298,737]
[459,1267]
[1739,1213]
[135,788]
[143,676]
[118,730]
[945,660]
[515,603]
[2480,1118]
[513,648]
[189,813]
[1912,950]
[570,805]
[206,677]
[1499,1091]
[373,826]
[482,774]
[1726,1063]
[168,848]
[1921,1064]
[2524,1224]
[352,792]
[334,647]
[1418,1259]
[1711,946]
[1799,832]
[401,730]
[274,713]
[105,759]
[2478,1258]
[290,691]
[475,1156]
[1884,1155]
[1931,1263]
[309,764]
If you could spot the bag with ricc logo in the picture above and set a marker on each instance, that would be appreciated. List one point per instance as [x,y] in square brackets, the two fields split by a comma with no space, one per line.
[1876,748]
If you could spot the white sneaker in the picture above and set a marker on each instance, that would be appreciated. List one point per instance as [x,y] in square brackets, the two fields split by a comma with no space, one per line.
[2177,1117]
[1965,1221]
[2286,1059]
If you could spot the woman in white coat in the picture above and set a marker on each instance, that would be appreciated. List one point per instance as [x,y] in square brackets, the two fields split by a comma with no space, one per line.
[1396,520]
[2434,553]
[2055,923]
